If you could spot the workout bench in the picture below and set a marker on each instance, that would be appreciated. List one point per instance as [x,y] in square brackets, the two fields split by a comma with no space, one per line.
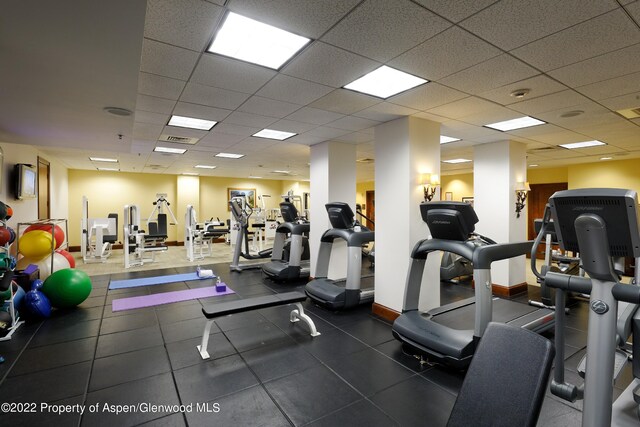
[213,311]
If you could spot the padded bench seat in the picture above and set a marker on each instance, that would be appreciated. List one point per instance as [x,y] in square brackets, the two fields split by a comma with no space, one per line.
[213,311]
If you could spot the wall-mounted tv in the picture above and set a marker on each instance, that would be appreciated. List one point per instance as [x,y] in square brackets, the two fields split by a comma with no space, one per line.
[26,179]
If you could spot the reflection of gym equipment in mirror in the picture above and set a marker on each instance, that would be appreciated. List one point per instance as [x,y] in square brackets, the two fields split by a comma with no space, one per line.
[241,212]
[140,247]
[97,234]
[198,237]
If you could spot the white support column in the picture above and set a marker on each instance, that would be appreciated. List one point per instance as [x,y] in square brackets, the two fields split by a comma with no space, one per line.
[333,179]
[406,149]
[497,168]
[188,193]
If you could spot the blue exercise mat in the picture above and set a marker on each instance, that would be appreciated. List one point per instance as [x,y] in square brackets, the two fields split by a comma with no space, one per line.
[158,280]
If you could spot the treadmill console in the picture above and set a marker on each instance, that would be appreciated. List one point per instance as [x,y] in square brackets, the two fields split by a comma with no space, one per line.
[288,211]
[340,215]
[449,220]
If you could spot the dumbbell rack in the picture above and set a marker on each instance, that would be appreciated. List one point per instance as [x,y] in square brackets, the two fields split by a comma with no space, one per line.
[15,319]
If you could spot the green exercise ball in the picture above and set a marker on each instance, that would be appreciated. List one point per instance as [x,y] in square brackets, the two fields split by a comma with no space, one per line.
[67,288]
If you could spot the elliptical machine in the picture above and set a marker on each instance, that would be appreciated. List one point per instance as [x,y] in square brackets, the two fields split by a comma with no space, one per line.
[241,212]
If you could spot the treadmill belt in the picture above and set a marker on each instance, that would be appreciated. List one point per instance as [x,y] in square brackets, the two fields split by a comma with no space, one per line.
[503,311]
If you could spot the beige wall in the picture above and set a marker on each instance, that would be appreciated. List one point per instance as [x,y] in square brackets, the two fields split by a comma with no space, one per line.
[361,193]
[547,175]
[614,174]
[459,185]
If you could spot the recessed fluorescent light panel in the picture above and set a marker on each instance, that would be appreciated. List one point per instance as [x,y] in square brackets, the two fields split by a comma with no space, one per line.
[103,159]
[447,139]
[519,123]
[191,123]
[606,158]
[255,177]
[189,173]
[109,169]
[252,41]
[170,150]
[385,82]
[274,134]
[583,144]
[205,167]
[280,171]
[454,161]
[230,155]
[533,166]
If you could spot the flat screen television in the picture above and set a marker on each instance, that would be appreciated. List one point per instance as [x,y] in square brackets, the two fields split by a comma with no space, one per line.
[26,179]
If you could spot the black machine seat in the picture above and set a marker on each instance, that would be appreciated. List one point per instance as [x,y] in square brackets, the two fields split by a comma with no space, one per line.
[111,238]
[231,307]
[504,387]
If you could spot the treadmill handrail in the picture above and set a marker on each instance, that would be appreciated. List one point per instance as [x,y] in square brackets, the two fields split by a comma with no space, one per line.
[352,237]
[424,247]
[293,228]
[483,256]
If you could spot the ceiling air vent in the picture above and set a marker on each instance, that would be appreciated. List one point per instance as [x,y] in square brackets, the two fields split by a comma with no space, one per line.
[543,149]
[178,139]
[365,160]
[630,113]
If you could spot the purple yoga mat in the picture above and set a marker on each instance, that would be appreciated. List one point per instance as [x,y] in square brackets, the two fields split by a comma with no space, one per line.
[166,298]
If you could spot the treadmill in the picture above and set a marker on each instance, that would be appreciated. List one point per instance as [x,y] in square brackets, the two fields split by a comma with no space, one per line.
[449,334]
[344,293]
[296,264]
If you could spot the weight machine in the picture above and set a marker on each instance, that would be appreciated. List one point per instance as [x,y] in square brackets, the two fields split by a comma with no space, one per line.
[198,238]
[158,225]
[139,247]
[97,235]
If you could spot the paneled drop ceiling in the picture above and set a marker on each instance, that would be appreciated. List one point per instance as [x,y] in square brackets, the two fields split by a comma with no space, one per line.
[63,62]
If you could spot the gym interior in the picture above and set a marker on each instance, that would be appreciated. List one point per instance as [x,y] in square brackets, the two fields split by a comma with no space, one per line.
[150,171]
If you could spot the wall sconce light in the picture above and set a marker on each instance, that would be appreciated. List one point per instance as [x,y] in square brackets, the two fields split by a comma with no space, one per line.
[522,188]
[429,186]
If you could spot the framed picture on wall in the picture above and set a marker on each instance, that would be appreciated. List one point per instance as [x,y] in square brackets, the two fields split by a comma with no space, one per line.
[248,193]
[448,195]
[307,201]
[468,200]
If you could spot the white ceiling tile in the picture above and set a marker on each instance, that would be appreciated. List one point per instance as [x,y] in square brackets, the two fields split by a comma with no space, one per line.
[455,10]
[230,74]
[291,126]
[309,18]
[235,129]
[555,135]
[358,138]
[147,131]
[604,67]
[165,60]
[495,72]
[314,116]
[385,111]
[427,96]
[464,107]
[154,105]
[608,32]
[433,59]
[149,117]
[594,114]
[185,132]
[633,9]
[200,111]
[345,101]
[512,23]
[184,23]
[329,65]
[429,116]
[268,107]
[159,86]
[249,120]
[221,139]
[493,114]
[306,139]
[623,85]
[382,29]
[327,132]
[623,102]
[291,89]
[538,86]
[213,96]
[554,101]
[252,145]
[353,123]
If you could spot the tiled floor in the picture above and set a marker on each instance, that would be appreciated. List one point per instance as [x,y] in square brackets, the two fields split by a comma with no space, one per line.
[263,371]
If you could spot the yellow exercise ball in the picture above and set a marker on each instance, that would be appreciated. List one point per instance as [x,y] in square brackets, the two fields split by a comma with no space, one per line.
[36,244]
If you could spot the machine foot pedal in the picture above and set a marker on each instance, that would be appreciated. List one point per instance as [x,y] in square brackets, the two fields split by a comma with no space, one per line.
[620,360]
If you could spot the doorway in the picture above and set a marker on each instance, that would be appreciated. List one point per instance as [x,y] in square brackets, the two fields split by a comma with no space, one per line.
[44,170]
[371,208]
[536,201]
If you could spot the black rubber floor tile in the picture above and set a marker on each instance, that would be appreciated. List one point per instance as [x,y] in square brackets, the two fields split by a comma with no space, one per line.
[92,302]
[557,414]
[250,407]
[122,342]
[46,386]
[184,353]
[174,313]
[167,287]
[46,414]
[361,413]
[330,344]
[369,371]
[450,379]
[174,420]
[416,400]
[278,360]
[55,355]
[240,320]
[251,337]
[370,331]
[121,368]
[136,395]
[206,381]
[185,329]
[59,331]
[128,322]
[395,350]
[77,314]
[308,395]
